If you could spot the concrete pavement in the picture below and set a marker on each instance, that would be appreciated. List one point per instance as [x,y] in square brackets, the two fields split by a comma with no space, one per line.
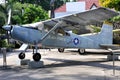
[60,66]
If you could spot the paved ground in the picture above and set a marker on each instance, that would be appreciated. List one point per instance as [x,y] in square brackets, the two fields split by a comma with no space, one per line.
[61,66]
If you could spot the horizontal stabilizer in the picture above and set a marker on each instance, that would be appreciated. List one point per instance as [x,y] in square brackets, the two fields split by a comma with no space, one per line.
[107,46]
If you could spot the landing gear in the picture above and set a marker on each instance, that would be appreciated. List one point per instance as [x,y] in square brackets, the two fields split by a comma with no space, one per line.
[61,50]
[36,56]
[21,55]
[81,51]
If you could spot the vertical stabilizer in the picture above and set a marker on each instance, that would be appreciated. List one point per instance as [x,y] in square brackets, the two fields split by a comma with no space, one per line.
[106,33]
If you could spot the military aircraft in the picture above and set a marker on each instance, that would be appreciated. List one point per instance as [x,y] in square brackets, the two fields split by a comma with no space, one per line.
[55,32]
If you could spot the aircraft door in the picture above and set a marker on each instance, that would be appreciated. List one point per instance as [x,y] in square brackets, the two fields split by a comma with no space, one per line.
[68,39]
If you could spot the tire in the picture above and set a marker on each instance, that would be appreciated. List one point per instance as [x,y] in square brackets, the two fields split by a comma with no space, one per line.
[21,55]
[61,50]
[81,51]
[36,57]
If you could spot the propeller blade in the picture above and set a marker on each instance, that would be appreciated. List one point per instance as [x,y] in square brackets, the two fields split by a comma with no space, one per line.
[7,33]
[8,27]
[9,16]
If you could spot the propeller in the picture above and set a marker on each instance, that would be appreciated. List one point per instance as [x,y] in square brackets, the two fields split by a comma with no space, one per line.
[8,27]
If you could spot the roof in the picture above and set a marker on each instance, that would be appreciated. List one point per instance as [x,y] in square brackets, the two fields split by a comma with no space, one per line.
[89,4]
[61,9]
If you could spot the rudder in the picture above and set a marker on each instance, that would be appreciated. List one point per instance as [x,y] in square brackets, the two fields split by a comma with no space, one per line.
[106,34]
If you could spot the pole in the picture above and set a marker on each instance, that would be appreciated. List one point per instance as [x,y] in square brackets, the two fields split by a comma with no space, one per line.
[4,57]
[52,15]
[113,64]
[113,58]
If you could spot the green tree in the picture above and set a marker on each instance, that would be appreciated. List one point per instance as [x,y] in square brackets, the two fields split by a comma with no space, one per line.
[4,9]
[111,4]
[27,13]
[34,14]
[46,4]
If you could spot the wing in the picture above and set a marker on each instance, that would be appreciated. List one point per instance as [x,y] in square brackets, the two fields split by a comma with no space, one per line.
[77,20]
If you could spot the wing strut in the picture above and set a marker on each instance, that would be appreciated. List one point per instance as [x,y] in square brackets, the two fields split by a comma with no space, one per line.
[56,26]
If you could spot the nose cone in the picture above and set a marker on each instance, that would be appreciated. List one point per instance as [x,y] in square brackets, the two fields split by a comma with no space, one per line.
[7,27]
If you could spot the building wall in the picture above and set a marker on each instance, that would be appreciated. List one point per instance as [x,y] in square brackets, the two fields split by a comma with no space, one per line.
[71,8]
[75,6]
[80,6]
[2,1]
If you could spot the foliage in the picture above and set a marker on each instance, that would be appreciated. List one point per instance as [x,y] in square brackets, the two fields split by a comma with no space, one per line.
[3,43]
[28,13]
[2,21]
[116,19]
[95,28]
[45,4]
[4,9]
[33,14]
[111,4]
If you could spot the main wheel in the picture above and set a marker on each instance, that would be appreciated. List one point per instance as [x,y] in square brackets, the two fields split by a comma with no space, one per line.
[36,57]
[61,50]
[21,55]
[81,51]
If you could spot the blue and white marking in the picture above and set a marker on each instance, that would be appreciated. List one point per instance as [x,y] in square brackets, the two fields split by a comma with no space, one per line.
[76,41]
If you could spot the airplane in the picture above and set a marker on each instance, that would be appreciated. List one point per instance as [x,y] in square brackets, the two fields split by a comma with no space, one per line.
[54,33]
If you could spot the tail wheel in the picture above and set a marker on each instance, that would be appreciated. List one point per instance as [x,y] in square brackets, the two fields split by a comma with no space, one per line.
[61,50]
[81,51]
[21,55]
[36,57]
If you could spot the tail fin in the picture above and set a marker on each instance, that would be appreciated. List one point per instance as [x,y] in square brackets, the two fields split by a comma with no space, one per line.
[106,34]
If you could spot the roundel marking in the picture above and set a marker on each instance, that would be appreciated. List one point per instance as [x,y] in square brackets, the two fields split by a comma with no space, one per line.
[76,41]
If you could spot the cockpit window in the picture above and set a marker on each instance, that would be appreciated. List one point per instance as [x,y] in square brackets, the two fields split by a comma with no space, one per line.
[47,28]
[62,32]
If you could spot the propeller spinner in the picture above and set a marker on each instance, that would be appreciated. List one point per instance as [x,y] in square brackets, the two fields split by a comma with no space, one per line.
[7,27]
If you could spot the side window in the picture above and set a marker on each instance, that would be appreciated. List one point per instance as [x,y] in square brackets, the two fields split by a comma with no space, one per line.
[60,31]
